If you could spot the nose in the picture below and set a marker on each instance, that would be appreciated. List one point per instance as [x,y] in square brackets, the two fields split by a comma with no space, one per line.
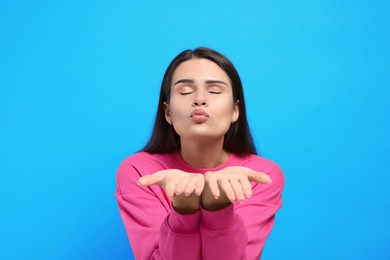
[198,103]
[199,100]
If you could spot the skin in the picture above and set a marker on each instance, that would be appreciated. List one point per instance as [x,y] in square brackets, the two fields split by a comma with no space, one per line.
[200,84]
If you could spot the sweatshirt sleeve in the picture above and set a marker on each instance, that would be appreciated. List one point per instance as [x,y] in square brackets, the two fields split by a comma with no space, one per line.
[240,230]
[154,230]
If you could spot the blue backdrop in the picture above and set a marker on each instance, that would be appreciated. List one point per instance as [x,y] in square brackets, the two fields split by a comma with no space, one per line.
[79,86]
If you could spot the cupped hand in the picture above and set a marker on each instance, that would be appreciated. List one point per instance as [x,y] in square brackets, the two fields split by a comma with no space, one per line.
[175,182]
[234,182]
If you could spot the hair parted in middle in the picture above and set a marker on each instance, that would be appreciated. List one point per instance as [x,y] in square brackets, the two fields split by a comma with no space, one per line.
[238,138]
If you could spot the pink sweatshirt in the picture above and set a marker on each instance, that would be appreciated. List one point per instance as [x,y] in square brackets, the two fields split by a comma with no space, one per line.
[157,231]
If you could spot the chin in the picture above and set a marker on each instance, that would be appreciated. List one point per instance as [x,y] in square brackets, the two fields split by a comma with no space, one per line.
[201,131]
[202,135]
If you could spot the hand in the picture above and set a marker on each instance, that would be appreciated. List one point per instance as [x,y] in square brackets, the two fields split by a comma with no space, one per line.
[229,185]
[175,182]
[182,187]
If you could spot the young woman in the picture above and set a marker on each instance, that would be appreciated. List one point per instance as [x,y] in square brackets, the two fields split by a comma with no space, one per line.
[198,189]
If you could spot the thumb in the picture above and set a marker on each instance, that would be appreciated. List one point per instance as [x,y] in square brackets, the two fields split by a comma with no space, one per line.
[259,177]
[150,179]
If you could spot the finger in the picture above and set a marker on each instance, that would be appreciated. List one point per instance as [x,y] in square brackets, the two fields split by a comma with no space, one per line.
[170,189]
[227,188]
[199,186]
[150,179]
[213,185]
[190,187]
[180,188]
[259,177]
[246,186]
[237,189]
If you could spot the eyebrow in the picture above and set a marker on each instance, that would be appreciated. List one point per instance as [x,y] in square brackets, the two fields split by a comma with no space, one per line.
[184,81]
[207,81]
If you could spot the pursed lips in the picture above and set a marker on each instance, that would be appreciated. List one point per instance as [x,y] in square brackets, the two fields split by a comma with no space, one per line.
[199,112]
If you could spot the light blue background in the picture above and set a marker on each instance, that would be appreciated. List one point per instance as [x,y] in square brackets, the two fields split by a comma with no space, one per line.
[79,86]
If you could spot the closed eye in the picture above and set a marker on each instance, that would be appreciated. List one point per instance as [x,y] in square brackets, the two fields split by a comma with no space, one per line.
[215,88]
[185,93]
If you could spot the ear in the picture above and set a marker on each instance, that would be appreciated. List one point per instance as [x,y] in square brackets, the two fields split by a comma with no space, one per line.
[236,111]
[167,111]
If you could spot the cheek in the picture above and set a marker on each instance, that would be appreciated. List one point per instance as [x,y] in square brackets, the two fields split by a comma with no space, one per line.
[225,110]
[177,111]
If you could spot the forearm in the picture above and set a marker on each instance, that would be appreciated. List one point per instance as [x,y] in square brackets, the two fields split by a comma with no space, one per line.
[223,235]
[180,237]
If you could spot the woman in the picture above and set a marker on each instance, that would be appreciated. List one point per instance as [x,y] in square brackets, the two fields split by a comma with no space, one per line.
[198,190]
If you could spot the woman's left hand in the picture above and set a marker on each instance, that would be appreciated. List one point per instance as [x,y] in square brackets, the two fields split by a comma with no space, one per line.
[229,185]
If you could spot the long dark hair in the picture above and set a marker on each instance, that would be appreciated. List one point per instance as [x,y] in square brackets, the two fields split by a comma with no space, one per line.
[237,140]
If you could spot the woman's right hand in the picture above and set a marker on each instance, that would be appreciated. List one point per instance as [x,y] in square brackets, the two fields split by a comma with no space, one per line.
[182,187]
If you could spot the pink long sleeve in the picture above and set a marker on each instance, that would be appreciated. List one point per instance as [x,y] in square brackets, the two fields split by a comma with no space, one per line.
[153,230]
[240,230]
[156,231]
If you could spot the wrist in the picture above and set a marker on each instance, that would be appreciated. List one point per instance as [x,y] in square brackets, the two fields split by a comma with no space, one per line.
[211,204]
[186,204]
[215,205]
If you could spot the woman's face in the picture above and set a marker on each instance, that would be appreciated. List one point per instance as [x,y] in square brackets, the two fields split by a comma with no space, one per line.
[201,103]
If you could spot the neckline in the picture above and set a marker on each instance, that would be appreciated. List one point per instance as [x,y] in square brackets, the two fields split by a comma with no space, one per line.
[177,158]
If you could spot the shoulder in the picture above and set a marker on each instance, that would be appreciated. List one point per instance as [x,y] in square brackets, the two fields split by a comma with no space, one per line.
[260,163]
[146,163]
[255,162]
[136,166]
